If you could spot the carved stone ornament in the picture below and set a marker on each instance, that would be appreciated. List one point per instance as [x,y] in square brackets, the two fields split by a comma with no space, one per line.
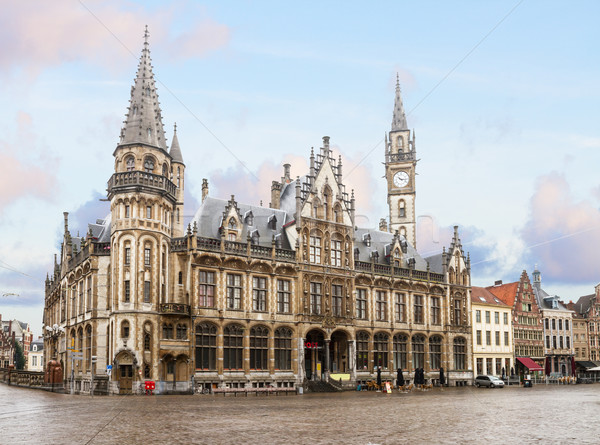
[328,322]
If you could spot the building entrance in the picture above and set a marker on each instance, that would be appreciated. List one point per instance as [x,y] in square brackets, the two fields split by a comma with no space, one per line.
[125,379]
[314,355]
[338,353]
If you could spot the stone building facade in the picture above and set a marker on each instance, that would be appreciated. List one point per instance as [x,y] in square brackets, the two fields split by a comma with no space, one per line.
[528,331]
[493,352]
[251,296]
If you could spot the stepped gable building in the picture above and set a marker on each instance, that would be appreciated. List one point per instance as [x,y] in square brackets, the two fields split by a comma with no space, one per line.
[251,296]
[528,333]
[558,330]
[580,335]
[588,307]
[493,352]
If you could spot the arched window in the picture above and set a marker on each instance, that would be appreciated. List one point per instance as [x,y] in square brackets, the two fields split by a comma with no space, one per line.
[362,351]
[165,170]
[380,345]
[400,143]
[167,331]
[146,372]
[88,347]
[206,346]
[418,346]
[149,131]
[400,351]
[457,309]
[130,163]
[460,351]
[135,110]
[178,177]
[125,329]
[181,332]
[148,164]
[232,224]
[435,352]
[180,278]
[233,347]
[336,251]
[147,342]
[259,349]
[283,349]
[79,341]
[401,208]
[315,248]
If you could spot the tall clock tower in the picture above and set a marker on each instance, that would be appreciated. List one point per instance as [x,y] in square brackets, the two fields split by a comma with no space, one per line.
[400,166]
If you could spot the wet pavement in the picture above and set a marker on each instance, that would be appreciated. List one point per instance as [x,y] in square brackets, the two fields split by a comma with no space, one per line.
[542,414]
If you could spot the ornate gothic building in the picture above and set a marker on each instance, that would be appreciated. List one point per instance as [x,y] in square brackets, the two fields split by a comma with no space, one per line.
[251,296]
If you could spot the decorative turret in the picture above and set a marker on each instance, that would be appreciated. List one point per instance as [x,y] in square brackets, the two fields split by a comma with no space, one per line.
[178,177]
[143,124]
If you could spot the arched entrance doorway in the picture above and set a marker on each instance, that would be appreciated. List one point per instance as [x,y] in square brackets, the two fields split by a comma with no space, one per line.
[175,373]
[314,354]
[338,353]
[124,363]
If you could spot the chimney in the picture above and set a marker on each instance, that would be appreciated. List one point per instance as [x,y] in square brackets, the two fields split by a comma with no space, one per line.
[383,225]
[204,189]
[326,145]
[286,174]
[66,216]
[498,283]
[275,194]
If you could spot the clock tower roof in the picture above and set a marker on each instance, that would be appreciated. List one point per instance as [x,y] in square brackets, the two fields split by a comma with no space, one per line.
[399,117]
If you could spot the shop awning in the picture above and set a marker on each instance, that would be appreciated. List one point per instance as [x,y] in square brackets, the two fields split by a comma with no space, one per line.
[530,364]
[585,364]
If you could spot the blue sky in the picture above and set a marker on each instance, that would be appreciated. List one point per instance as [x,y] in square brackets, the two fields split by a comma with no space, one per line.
[503,97]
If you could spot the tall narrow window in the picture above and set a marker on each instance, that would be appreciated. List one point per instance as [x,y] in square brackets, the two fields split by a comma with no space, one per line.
[380,345]
[149,162]
[233,347]
[457,312]
[148,212]
[436,318]
[400,351]
[283,349]
[400,307]
[127,256]
[234,291]
[125,329]
[418,310]
[380,305]
[283,296]
[127,212]
[336,300]
[418,345]
[259,294]
[460,350]
[147,255]
[401,208]
[315,298]
[361,304]
[167,331]
[259,336]
[89,294]
[435,352]
[206,346]
[336,253]
[181,332]
[127,291]
[147,292]
[315,249]
[206,289]
[147,342]
[362,350]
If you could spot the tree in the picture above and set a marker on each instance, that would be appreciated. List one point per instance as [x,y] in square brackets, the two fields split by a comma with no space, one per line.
[19,356]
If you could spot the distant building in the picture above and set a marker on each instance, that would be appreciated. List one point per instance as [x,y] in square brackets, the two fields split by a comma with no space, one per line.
[588,308]
[558,330]
[21,332]
[492,333]
[7,348]
[35,361]
[528,331]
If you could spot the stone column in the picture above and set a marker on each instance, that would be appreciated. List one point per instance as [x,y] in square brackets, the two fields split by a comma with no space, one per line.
[327,361]
[352,359]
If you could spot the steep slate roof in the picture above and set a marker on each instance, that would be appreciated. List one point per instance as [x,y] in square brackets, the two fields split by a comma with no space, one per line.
[583,304]
[381,243]
[436,263]
[143,123]
[481,295]
[505,292]
[545,300]
[209,218]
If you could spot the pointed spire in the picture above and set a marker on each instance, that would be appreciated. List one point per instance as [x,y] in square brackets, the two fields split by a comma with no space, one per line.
[143,123]
[175,150]
[399,118]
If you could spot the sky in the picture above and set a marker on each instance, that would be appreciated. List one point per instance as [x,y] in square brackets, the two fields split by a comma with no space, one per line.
[503,97]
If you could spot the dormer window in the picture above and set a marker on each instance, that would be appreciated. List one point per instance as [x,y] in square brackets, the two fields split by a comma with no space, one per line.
[232,224]
[148,91]
[254,238]
[249,218]
[367,239]
[272,224]
[135,110]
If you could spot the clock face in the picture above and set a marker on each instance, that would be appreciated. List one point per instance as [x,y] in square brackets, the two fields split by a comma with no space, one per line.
[401,179]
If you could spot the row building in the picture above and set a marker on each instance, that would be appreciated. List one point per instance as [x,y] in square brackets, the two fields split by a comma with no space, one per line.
[250,295]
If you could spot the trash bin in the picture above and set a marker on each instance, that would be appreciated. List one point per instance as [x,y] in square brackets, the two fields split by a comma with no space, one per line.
[527,383]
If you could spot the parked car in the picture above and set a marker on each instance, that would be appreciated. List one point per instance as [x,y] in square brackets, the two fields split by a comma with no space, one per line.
[488,380]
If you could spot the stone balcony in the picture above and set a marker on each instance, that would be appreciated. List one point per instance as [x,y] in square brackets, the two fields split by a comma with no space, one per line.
[174,309]
[141,181]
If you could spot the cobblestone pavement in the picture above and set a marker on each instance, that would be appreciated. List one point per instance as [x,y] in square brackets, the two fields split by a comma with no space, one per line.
[542,414]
